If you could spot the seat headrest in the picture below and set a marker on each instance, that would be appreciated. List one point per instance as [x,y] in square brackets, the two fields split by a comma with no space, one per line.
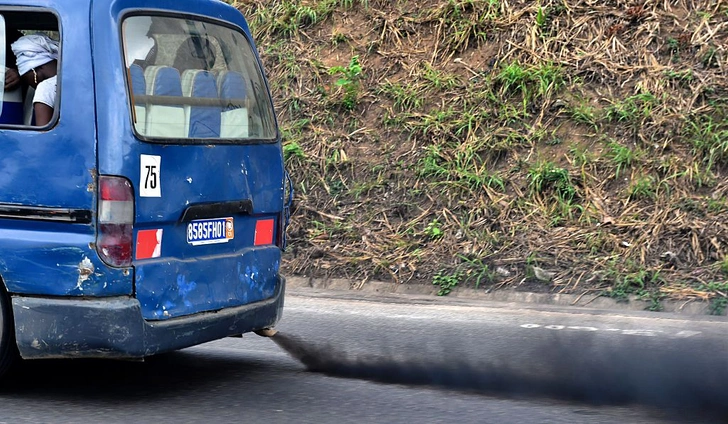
[163,81]
[231,85]
[138,82]
[198,83]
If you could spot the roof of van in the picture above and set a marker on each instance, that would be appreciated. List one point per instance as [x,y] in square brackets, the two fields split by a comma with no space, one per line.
[161,4]
[202,7]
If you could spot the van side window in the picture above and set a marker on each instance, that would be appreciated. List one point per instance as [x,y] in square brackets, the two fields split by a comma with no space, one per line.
[32,63]
[193,80]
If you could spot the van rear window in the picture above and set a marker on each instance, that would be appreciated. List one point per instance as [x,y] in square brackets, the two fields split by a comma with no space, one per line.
[192,80]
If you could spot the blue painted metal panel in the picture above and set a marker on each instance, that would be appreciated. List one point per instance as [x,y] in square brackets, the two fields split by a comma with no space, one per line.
[57,169]
[187,279]
[213,283]
[56,259]
[69,148]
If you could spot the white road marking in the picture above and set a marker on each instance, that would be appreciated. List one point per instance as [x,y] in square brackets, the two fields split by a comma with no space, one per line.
[625,332]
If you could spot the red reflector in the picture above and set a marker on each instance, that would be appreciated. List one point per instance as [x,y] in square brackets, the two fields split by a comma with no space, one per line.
[264,231]
[148,244]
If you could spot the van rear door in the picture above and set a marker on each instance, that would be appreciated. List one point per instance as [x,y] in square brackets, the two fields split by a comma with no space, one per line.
[196,157]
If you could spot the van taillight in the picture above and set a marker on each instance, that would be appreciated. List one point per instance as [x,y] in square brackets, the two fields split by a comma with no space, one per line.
[115,219]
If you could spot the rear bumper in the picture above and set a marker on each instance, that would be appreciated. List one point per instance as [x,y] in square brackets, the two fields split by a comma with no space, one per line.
[114,327]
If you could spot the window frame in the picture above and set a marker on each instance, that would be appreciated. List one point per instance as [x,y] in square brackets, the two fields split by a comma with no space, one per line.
[56,117]
[276,137]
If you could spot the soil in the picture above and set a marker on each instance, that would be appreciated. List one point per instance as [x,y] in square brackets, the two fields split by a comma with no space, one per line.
[601,166]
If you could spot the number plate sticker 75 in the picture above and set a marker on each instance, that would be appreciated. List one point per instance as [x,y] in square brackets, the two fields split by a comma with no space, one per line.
[210,231]
[149,175]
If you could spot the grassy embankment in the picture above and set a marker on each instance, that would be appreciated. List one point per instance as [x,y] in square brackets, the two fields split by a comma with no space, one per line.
[568,146]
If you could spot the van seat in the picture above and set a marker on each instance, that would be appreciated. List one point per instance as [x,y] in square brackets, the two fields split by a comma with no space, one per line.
[234,118]
[202,121]
[164,120]
[28,110]
[12,107]
[139,88]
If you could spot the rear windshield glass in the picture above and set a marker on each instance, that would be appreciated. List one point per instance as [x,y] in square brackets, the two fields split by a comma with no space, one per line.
[194,80]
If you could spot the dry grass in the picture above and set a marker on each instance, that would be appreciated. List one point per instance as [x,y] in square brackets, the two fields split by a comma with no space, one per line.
[483,138]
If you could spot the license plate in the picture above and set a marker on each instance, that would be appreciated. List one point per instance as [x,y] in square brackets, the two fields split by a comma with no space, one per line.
[210,231]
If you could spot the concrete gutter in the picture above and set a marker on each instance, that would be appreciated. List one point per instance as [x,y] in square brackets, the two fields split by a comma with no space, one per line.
[424,292]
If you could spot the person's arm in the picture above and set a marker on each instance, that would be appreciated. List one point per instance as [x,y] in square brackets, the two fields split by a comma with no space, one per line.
[12,79]
[43,114]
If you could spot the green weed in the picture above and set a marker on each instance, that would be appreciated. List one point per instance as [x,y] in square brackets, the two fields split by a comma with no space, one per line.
[585,114]
[709,59]
[438,79]
[685,76]
[433,164]
[541,18]
[717,305]
[723,265]
[539,81]
[337,156]
[717,206]
[433,230]
[349,81]
[286,18]
[674,45]
[406,97]
[709,137]
[622,156]
[465,21]
[339,38]
[470,270]
[633,280]
[462,169]
[514,77]
[305,16]
[293,149]
[713,287]
[701,175]
[546,176]
[632,109]
[545,17]
[477,271]
[581,155]
[563,211]
[446,282]
[643,188]
[335,187]
[548,78]
[655,298]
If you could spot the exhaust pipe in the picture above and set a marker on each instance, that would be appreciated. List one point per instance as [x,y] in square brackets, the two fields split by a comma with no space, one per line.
[266,332]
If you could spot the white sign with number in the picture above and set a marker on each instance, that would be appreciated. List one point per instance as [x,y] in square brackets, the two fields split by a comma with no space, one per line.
[149,176]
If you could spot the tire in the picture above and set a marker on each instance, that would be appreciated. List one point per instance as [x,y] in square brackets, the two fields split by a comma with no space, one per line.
[8,348]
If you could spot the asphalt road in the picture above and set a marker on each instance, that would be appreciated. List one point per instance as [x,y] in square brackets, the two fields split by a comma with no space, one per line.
[405,360]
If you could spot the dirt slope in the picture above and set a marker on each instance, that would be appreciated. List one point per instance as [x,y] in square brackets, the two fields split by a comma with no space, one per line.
[562,146]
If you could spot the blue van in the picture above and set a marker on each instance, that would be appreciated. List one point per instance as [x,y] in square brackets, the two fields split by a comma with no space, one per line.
[149,213]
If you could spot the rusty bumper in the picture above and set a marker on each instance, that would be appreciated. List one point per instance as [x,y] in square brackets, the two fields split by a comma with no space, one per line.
[114,327]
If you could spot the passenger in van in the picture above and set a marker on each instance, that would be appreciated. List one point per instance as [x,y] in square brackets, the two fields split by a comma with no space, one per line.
[12,77]
[37,59]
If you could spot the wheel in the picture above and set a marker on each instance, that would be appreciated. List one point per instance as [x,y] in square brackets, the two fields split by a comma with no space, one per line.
[8,348]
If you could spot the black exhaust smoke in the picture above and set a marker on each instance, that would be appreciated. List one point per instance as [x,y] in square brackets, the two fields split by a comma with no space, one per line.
[637,374]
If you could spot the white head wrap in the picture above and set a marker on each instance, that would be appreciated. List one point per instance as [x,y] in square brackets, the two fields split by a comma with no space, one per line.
[32,51]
